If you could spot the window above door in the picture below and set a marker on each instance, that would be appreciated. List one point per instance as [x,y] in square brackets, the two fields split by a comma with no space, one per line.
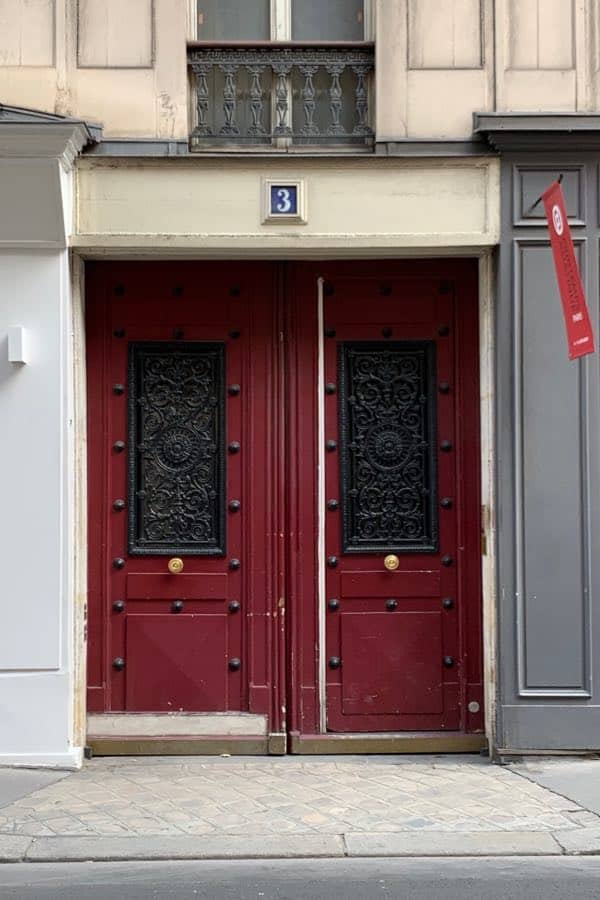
[281,20]
[282,74]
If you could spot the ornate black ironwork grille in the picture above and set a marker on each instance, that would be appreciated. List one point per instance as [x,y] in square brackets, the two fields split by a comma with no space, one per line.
[387,446]
[177,448]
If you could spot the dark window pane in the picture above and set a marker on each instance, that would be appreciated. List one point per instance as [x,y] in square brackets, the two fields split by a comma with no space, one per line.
[387,447]
[176,448]
[233,20]
[327,20]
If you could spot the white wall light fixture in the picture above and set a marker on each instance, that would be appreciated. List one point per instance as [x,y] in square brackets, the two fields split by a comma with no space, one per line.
[17,345]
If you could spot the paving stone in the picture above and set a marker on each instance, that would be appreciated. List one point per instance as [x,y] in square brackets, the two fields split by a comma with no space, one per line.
[221,796]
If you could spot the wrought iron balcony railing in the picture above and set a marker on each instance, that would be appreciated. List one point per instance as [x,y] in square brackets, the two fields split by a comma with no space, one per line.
[282,95]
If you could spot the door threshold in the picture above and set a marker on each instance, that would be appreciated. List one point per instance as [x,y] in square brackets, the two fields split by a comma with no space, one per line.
[388,742]
[186,745]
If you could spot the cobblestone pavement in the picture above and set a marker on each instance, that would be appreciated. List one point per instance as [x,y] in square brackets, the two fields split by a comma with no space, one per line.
[318,795]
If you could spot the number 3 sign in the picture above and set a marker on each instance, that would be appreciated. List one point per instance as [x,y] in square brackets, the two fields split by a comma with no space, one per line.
[284,201]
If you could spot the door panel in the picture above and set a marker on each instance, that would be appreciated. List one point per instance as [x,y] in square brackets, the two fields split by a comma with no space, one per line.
[179,422]
[176,663]
[408,645]
[392,645]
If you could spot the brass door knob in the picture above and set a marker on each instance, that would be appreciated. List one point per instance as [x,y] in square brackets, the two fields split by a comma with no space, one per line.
[391,562]
[175,565]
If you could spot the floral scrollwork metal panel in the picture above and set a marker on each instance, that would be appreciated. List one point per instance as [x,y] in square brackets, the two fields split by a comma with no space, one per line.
[176,448]
[387,446]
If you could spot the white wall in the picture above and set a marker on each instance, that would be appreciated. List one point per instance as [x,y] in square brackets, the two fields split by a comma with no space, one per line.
[37,660]
[35,521]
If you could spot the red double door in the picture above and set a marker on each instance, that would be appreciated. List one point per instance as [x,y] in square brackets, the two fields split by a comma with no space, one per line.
[284,493]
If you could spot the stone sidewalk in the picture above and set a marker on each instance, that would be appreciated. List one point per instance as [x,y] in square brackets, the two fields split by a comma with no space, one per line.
[206,807]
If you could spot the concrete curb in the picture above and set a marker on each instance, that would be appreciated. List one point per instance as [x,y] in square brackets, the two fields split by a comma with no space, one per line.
[580,841]
[19,848]
[493,843]
[234,846]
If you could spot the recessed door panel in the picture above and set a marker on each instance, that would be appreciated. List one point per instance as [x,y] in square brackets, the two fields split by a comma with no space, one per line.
[392,663]
[176,663]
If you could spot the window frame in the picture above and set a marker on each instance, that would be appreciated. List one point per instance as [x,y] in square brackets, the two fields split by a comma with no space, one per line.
[281,21]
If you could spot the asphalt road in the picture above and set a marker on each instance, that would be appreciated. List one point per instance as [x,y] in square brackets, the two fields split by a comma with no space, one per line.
[555,878]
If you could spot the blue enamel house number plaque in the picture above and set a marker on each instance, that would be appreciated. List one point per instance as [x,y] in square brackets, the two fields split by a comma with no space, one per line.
[284,200]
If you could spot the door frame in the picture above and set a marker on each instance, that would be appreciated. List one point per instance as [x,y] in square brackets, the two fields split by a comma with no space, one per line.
[288,320]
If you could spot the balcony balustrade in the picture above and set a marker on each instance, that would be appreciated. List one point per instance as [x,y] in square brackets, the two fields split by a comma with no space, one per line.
[282,96]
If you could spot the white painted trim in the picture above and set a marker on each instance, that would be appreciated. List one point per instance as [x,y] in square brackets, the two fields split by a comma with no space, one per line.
[281,20]
[488,496]
[192,20]
[321,507]
[70,759]
[369,19]
[79,551]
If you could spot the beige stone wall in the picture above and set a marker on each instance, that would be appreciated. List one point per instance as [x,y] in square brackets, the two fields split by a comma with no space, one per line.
[367,207]
[123,62]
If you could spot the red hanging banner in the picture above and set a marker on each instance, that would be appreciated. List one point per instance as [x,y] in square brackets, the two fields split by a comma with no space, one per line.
[580,336]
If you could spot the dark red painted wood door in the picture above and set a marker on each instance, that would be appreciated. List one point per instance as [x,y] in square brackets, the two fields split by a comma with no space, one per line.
[393,532]
[179,428]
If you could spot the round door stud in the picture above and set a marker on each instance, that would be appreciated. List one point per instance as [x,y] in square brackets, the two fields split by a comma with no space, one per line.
[118,663]
[234,390]
[235,606]
[448,603]
[391,562]
[334,662]
[119,333]
[234,335]
[446,503]
[234,506]
[234,447]
[178,334]
[235,664]
[118,389]
[446,446]
[175,565]
[332,561]
[444,387]
[118,563]
[330,446]
[332,505]
[118,606]
[391,604]
[234,564]
[387,332]
[177,606]
[448,661]
[330,388]
[119,446]
[447,561]
[444,330]
[330,332]
[333,605]
[119,505]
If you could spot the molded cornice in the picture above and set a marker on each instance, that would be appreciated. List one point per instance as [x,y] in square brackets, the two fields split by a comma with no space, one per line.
[31,134]
[538,131]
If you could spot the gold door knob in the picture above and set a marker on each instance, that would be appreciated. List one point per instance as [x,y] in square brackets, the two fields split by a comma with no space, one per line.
[391,562]
[175,565]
